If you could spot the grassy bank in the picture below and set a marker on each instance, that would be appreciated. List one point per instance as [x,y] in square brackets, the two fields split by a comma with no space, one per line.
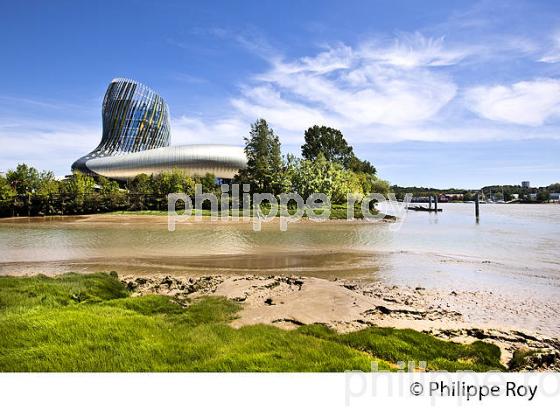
[90,323]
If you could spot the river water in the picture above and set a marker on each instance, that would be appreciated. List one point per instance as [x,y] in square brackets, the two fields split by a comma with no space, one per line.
[515,247]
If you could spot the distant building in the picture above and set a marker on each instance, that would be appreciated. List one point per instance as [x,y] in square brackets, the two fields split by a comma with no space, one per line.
[450,197]
[136,135]
[533,197]
[514,196]
[555,196]
[455,197]
[526,184]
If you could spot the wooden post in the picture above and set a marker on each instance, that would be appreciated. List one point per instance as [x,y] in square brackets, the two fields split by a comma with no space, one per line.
[430,201]
[436,202]
[477,207]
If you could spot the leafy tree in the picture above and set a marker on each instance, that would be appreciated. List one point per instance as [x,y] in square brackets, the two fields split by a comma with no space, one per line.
[357,165]
[325,177]
[371,184]
[23,179]
[326,141]
[108,186]
[6,190]
[172,181]
[77,189]
[78,185]
[543,195]
[48,185]
[141,184]
[207,181]
[264,159]
[331,143]
[48,188]
[286,175]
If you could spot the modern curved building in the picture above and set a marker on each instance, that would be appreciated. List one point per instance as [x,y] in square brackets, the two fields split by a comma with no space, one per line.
[136,136]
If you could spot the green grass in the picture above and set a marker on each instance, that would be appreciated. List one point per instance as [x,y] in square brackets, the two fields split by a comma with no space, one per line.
[90,323]
[406,345]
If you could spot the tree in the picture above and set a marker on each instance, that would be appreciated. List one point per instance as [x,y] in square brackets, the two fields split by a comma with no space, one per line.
[371,184]
[331,144]
[173,181]
[6,190]
[108,186]
[48,188]
[326,141]
[76,189]
[264,159]
[140,187]
[23,179]
[141,184]
[543,195]
[326,177]
[208,182]
[78,184]
[357,165]
[291,166]
[48,185]
[7,194]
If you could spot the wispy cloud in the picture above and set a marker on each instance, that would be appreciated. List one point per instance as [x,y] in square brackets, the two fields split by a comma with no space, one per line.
[364,85]
[529,103]
[190,130]
[46,144]
[383,90]
[410,50]
[553,54]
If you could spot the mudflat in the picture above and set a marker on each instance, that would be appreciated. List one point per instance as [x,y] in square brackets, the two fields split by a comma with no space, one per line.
[292,301]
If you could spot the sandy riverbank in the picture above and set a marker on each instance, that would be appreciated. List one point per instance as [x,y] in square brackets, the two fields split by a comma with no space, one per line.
[290,301]
[163,219]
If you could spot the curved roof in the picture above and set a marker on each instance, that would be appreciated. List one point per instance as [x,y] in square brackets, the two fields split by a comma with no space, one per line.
[224,161]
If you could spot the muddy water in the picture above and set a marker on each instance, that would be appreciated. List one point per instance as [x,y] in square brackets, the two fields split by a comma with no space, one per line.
[514,247]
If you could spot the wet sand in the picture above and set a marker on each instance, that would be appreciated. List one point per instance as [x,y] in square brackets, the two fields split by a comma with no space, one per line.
[291,301]
[326,263]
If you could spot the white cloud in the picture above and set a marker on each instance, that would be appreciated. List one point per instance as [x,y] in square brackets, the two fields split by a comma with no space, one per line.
[529,103]
[266,102]
[415,50]
[375,92]
[189,130]
[553,54]
[365,85]
[45,144]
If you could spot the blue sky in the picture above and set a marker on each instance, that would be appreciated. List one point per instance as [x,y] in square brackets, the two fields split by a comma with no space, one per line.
[434,93]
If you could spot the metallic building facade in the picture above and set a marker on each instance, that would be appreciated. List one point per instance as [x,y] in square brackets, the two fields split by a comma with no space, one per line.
[135,140]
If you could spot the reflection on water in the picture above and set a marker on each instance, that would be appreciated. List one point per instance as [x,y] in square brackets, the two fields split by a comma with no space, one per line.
[513,245]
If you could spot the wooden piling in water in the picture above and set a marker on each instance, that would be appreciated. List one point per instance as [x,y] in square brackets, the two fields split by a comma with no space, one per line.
[477,207]
[430,201]
[436,202]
